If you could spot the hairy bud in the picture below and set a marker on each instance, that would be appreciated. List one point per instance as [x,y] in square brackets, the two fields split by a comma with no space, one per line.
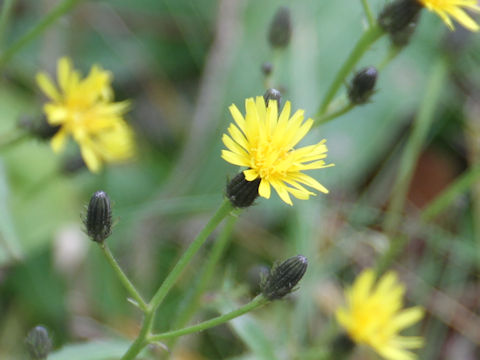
[98,221]
[241,192]
[38,343]
[283,278]
[272,94]
[362,85]
[280,29]
[396,15]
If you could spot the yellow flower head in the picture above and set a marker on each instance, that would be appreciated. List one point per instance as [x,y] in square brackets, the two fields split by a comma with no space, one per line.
[454,8]
[374,316]
[264,142]
[84,109]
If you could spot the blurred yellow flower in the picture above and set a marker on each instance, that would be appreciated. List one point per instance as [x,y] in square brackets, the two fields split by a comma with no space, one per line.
[264,142]
[454,8]
[374,316]
[85,109]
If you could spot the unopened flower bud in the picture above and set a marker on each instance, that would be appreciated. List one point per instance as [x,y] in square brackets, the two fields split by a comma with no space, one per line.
[98,221]
[283,277]
[398,15]
[267,68]
[362,85]
[280,28]
[39,128]
[272,94]
[402,38]
[241,192]
[38,343]
[342,346]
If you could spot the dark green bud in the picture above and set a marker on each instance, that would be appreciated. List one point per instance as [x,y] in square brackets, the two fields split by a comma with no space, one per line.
[342,346]
[402,38]
[267,68]
[38,343]
[280,29]
[362,85]
[241,192]
[283,278]
[272,94]
[398,15]
[39,128]
[98,221]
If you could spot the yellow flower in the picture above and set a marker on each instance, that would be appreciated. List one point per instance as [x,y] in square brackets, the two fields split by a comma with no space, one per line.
[374,316]
[453,8]
[84,109]
[263,142]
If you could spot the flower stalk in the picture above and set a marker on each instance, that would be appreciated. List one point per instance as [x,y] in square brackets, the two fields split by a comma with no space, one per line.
[122,277]
[61,9]
[257,302]
[368,38]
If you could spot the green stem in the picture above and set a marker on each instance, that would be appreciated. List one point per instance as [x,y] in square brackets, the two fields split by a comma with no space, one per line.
[5,18]
[363,44]
[47,21]
[334,114]
[255,303]
[391,54]
[206,275]
[142,340]
[368,13]
[173,276]
[413,147]
[440,203]
[123,278]
[12,140]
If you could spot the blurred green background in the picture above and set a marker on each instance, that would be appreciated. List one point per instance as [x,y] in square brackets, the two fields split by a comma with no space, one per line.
[182,63]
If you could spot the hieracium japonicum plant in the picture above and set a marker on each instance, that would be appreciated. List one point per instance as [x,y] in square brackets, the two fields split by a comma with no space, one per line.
[273,142]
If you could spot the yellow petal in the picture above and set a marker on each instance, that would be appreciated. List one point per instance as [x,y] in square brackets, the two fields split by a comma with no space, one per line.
[64,69]
[234,159]
[91,159]
[264,189]
[58,141]
[47,86]
[250,174]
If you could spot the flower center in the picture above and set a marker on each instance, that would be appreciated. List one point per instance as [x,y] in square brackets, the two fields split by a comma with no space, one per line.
[267,159]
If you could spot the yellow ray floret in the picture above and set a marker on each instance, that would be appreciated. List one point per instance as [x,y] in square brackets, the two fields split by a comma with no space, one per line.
[264,141]
[85,110]
[448,9]
[374,316]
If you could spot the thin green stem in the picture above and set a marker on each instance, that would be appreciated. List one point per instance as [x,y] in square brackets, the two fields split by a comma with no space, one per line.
[5,18]
[142,340]
[368,13]
[61,9]
[255,303]
[12,140]
[442,201]
[363,44]
[413,147]
[391,54]
[123,278]
[334,114]
[173,276]
[206,275]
